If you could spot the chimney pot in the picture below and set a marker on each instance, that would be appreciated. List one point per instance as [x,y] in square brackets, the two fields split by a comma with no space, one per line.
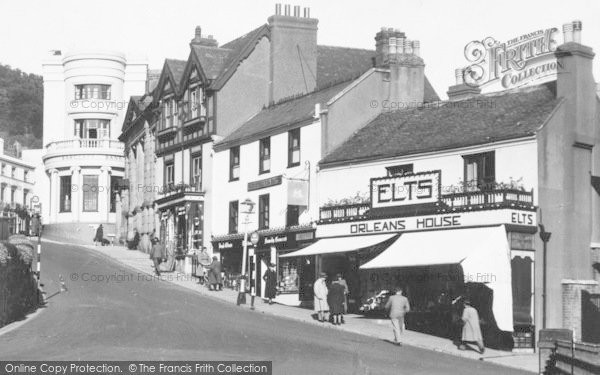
[198,32]
[287,9]
[296,10]
[460,76]
[392,46]
[416,47]
[568,32]
[577,26]
[278,9]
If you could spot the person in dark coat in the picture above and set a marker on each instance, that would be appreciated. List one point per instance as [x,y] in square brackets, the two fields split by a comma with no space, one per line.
[99,235]
[335,299]
[214,274]
[156,254]
[270,278]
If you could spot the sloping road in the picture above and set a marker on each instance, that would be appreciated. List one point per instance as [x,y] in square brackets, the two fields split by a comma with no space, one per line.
[134,317]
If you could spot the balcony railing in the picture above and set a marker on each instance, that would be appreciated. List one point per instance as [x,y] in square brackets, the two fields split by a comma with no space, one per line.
[85,143]
[474,200]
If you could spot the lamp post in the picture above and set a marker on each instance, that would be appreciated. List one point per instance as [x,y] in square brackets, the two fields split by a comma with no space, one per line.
[545,236]
[249,207]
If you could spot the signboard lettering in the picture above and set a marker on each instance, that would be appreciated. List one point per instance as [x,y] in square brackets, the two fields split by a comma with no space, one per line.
[225,245]
[267,182]
[275,239]
[407,189]
[522,218]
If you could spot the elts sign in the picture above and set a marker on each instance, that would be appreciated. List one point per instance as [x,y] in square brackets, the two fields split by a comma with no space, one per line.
[404,190]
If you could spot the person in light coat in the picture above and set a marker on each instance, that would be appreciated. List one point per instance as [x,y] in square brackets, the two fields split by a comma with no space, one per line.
[321,291]
[398,306]
[471,331]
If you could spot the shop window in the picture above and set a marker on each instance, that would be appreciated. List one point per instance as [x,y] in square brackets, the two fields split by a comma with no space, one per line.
[196,169]
[115,188]
[233,216]
[264,155]
[263,211]
[293,215]
[399,170]
[65,193]
[92,92]
[479,171]
[288,275]
[234,163]
[294,148]
[90,193]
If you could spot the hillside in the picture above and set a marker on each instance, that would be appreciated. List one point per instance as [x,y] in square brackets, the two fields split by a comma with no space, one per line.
[21,102]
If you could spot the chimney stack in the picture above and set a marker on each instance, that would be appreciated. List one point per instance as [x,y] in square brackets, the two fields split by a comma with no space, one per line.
[293,55]
[199,40]
[568,32]
[461,90]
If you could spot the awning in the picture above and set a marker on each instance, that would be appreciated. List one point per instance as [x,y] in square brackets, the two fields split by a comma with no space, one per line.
[340,245]
[483,253]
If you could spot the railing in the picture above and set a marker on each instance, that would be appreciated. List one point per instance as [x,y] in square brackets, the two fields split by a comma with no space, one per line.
[85,143]
[345,211]
[491,197]
[457,201]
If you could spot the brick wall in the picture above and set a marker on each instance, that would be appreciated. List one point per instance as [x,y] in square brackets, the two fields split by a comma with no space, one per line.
[571,303]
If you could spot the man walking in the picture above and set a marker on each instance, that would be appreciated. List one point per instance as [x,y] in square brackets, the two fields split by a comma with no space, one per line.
[270,278]
[156,254]
[398,306]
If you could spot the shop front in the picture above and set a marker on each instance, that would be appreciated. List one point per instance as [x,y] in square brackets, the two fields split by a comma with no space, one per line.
[437,253]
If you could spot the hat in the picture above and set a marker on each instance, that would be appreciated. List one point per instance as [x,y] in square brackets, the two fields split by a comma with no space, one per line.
[339,275]
[323,274]
[215,258]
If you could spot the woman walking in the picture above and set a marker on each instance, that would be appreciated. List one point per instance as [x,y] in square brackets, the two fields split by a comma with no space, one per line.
[99,235]
[270,278]
[471,331]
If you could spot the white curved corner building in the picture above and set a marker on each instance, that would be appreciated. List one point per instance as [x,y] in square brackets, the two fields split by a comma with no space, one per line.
[85,98]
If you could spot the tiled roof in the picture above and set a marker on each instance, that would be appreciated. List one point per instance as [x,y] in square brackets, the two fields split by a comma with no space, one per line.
[176,67]
[212,59]
[338,64]
[446,125]
[137,105]
[279,117]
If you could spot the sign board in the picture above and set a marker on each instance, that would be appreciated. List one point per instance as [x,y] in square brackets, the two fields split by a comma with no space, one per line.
[270,240]
[267,182]
[407,189]
[521,241]
[525,59]
[254,238]
[429,222]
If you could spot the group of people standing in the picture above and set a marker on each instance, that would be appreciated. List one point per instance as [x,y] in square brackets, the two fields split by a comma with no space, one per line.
[332,298]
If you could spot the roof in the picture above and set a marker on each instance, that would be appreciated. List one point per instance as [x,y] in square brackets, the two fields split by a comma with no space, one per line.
[281,116]
[212,59]
[137,105]
[451,124]
[176,67]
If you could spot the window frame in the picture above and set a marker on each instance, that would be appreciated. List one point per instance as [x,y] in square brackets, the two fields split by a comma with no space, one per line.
[195,155]
[102,91]
[406,169]
[234,152]
[264,207]
[264,154]
[485,167]
[292,208]
[169,173]
[65,187]
[88,194]
[234,216]
[292,134]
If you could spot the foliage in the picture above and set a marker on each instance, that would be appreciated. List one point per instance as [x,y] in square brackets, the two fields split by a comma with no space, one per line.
[21,103]
[358,198]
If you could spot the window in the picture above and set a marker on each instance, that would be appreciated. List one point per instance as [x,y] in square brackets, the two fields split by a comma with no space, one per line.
[479,171]
[294,148]
[233,217]
[12,195]
[115,188]
[170,112]
[90,193]
[293,215]
[264,163]
[234,163]
[25,192]
[92,92]
[197,108]
[399,170]
[196,172]
[3,167]
[263,211]
[13,172]
[26,176]
[65,194]
[169,176]
[92,128]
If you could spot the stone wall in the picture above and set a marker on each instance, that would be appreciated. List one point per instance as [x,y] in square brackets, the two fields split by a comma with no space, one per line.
[571,303]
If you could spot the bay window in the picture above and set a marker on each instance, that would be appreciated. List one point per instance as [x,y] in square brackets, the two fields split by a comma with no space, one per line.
[92,91]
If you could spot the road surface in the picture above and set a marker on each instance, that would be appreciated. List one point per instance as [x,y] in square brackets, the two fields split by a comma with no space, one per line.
[146,319]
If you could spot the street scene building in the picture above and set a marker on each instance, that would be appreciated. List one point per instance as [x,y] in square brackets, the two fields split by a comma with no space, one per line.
[331,178]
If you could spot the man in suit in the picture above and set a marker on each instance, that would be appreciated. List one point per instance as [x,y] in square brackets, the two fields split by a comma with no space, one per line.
[398,306]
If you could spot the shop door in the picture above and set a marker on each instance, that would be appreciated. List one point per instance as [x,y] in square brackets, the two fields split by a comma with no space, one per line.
[522,288]
[307,278]
[181,234]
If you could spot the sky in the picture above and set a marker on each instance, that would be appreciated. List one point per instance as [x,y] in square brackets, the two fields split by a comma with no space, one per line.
[155,30]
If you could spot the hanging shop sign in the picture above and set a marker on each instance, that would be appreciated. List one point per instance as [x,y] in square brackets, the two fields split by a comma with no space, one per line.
[429,222]
[265,183]
[517,62]
[407,189]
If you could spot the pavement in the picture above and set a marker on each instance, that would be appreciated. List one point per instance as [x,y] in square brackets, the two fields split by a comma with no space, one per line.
[358,324]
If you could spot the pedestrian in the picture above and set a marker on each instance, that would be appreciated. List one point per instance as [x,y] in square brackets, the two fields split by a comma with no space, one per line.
[471,330]
[214,275]
[320,300]
[335,299]
[156,254]
[99,235]
[270,278]
[343,283]
[397,306]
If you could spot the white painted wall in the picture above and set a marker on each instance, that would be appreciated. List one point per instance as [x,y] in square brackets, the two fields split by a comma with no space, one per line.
[310,150]
[517,159]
